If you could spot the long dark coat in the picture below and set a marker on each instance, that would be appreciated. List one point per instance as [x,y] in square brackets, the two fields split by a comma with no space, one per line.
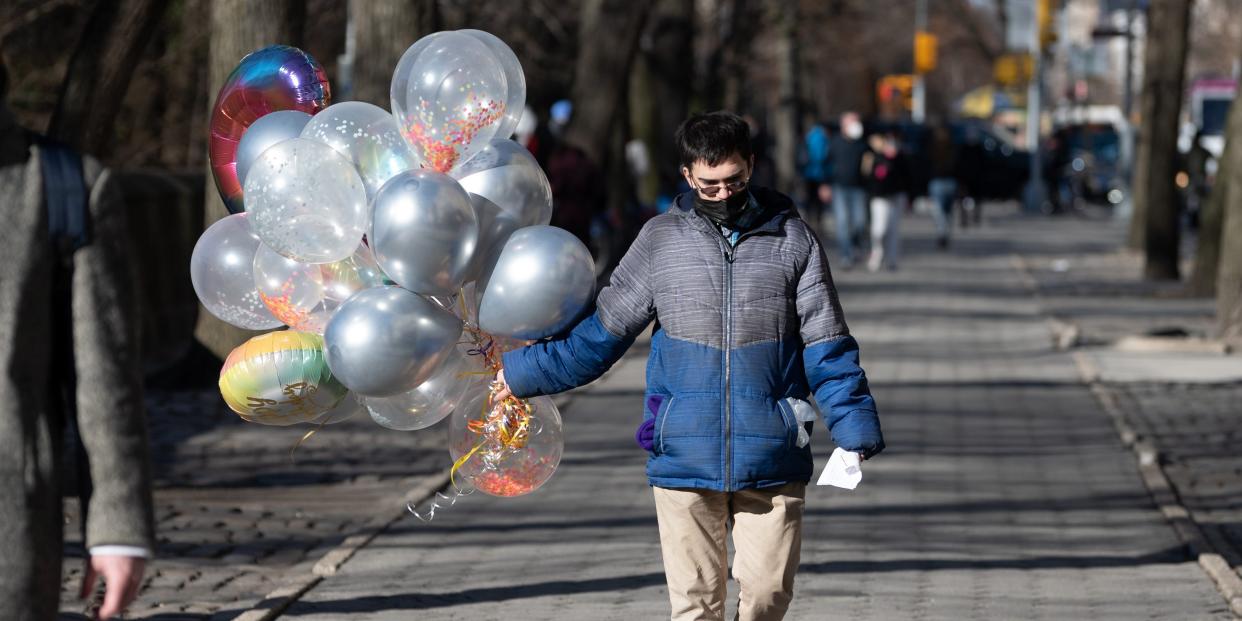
[109,392]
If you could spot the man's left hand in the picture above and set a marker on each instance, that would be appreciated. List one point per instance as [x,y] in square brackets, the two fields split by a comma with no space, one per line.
[122,577]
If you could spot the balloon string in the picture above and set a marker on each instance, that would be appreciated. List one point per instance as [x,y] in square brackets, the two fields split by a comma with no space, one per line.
[306,436]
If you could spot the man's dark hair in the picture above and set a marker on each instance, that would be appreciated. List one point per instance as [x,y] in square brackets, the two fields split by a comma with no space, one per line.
[712,137]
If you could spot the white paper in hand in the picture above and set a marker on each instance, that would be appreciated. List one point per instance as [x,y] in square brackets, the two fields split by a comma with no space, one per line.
[844,470]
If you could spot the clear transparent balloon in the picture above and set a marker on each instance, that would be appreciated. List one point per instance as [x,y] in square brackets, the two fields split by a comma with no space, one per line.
[505,173]
[350,407]
[305,295]
[307,201]
[448,96]
[424,232]
[431,401]
[508,451]
[385,341]
[367,136]
[220,271]
[270,129]
[515,80]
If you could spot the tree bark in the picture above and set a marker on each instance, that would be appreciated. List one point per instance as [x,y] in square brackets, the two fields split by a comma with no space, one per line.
[1163,74]
[1212,217]
[608,36]
[660,99]
[239,27]
[1229,267]
[100,71]
[383,30]
[787,114]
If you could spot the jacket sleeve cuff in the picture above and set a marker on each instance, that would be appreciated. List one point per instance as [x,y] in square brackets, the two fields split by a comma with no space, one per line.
[110,550]
[522,380]
[864,435]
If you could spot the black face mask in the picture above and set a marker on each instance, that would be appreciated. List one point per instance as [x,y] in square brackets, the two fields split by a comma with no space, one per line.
[725,212]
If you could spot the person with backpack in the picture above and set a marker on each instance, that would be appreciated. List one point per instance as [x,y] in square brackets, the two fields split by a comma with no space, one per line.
[69,344]
[748,328]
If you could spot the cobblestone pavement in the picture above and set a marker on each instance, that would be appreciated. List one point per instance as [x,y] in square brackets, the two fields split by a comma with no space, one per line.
[236,511]
[1005,492]
[1196,430]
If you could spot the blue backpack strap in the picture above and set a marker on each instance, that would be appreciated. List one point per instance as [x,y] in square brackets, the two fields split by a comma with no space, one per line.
[64,189]
[68,224]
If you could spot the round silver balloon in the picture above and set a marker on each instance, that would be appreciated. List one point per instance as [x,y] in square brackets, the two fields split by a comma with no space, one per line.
[424,232]
[515,80]
[495,226]
[367,135]
[507,174]
[385,341]
[430,402]
[542,281]
[270,129]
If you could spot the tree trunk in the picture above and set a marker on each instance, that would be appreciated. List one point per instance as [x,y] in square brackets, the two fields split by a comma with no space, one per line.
[661,100]
[608,43]
[787,114]
[1164,70]
[1229,267]
[383,30]
[1212,217]
[608,39]
[185,121]
[1137,238]
[239,27]
[100,70]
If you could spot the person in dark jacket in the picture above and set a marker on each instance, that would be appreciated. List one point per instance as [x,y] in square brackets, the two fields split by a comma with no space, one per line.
[748,327]
[887,172]
[849,197]
[942,162]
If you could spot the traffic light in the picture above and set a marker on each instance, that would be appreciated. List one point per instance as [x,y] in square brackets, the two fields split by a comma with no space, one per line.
[924,52]
[1044,10]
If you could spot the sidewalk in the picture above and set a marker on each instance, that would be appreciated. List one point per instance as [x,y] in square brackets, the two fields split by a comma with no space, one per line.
[1005,492]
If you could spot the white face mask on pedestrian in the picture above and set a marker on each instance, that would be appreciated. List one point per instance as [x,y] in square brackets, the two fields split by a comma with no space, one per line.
[853,131]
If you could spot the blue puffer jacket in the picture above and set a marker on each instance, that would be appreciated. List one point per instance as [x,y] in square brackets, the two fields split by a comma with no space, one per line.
[741,330]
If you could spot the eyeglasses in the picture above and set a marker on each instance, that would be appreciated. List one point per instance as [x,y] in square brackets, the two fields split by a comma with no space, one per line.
[712,190]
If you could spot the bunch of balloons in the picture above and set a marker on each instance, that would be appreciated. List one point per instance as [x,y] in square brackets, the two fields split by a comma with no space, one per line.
[404,251]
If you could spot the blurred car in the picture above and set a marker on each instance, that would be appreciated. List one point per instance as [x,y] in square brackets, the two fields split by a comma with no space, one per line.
[1085,166]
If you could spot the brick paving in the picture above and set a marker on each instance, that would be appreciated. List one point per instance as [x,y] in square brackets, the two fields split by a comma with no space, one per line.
[235,513]
[1005,491]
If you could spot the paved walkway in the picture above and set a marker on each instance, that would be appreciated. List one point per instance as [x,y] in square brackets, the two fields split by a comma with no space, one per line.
[1005,491]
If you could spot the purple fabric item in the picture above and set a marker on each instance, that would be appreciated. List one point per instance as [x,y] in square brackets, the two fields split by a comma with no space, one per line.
[645,435]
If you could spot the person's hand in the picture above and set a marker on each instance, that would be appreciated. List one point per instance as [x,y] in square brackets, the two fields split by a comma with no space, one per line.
[504,392]
[122,577]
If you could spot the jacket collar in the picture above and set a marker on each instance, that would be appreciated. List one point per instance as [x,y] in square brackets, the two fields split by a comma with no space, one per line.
[776,209]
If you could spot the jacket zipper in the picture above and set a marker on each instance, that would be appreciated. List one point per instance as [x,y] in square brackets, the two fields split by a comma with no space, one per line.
[728,348]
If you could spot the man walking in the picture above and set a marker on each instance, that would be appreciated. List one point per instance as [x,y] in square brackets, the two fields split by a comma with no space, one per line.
[748,326]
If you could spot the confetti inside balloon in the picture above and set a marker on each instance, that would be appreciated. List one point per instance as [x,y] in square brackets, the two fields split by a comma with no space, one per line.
[280,378]
[448,96]
[274,78]
[510,449]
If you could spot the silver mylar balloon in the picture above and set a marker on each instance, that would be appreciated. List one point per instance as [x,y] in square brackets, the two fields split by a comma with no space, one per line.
[495,226]
[430,402]
[424,231]
[385,341]
[270,129]
[515,80]
[542,281]
[507,174]
[367,135]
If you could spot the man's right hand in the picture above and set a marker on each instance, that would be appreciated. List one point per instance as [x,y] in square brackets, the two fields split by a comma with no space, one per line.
[503,392]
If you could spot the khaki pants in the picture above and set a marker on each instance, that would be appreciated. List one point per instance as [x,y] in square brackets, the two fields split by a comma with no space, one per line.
[767,537]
